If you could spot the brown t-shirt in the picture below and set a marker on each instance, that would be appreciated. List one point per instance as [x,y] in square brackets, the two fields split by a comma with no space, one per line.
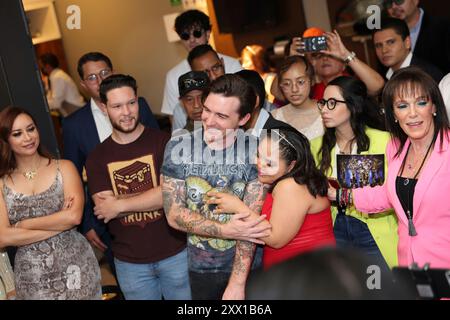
[141,237]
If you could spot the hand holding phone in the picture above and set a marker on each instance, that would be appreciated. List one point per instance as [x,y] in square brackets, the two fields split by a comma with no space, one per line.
[297,47]
[315,44]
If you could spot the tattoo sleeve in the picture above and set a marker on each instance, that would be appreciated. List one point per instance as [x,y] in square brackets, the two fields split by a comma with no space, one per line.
[182,218]
[254,196]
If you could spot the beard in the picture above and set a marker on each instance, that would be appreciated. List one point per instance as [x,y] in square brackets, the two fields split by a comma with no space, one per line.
[120,128]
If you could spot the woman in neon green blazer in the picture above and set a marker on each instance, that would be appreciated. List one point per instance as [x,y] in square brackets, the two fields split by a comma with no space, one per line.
[345,112]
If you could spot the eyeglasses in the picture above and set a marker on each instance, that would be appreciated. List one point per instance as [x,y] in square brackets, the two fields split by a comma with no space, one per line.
[388,3]
[218,67]
[288,85]
[187,35]
[330,103]
[102,75]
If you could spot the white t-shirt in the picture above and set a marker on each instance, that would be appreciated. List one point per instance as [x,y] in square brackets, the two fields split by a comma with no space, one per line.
[171,93]
[63,89]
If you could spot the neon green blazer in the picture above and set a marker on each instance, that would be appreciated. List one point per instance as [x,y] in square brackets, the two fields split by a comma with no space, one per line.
[383,226]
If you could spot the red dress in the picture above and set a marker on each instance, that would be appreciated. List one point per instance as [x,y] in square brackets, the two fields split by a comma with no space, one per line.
[315,232]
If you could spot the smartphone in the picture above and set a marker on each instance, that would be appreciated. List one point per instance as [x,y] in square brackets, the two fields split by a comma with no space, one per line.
[314,44]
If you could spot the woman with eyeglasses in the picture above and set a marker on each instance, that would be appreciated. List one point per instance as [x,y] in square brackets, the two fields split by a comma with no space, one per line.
[296,206]
[349,117]
[418,180]
[295,78]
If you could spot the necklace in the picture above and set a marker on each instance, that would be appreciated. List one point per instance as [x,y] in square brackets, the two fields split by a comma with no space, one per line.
[408,205]
[406,182]
[30,174]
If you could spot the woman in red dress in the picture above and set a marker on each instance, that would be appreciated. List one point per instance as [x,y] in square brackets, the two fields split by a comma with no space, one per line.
[296,206]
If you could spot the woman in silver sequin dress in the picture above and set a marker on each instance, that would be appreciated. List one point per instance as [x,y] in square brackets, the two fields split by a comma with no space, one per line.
[41,205]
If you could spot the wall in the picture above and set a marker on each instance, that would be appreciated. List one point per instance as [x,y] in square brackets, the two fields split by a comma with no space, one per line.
[131,33]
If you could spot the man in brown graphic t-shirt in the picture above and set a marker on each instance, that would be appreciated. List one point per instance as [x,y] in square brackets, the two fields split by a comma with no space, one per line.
[123,176]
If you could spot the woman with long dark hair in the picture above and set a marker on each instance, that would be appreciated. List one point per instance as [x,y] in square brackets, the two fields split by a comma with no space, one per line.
[296,205]
[346,111]
[418,180]
[42,204]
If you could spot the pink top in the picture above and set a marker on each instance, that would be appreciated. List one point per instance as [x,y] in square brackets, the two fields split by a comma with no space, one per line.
[315,232]
[431,214]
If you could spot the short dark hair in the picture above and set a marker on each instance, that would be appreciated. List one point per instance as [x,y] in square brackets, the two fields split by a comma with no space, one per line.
[199,51]
[408,81]
[325,273]
[92,56]
[50,59]
[116,81]
[190,19]
[232,85]
[399,26]
[290,61]
[256,82]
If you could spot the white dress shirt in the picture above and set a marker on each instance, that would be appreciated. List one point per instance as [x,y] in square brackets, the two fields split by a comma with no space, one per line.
[406,63]
[104,127]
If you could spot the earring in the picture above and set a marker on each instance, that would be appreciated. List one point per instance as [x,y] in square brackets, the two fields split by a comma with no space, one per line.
[396,121]
[434,114]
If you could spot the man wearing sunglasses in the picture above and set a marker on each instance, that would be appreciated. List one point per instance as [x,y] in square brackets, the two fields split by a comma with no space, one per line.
[194,29]
[85,129]
[430,35]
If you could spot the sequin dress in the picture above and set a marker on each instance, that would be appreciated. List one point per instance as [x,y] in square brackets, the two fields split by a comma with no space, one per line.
[62,267]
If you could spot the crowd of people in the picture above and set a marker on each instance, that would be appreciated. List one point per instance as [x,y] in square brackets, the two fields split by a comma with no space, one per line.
[247,183]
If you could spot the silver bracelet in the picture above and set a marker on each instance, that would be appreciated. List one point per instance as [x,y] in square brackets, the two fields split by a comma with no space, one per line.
[350,57]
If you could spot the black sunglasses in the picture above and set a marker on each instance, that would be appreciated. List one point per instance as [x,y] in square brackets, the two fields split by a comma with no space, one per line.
[186,35]
[388,3]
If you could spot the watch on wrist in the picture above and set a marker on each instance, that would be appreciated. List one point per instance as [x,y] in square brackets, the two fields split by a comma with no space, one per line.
[350,57]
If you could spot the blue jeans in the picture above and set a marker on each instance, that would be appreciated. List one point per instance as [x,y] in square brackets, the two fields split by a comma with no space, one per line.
[353,233]
[168,278]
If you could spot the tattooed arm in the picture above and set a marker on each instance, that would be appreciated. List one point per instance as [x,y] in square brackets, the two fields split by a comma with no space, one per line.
[181,218]
[254,196]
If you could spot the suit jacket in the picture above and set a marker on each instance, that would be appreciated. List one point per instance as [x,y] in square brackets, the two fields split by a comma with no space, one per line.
[431,214]
[383,227]
[80,138]
[429,68]
[433,43]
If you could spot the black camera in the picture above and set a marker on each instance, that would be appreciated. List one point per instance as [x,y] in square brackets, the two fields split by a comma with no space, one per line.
[314,44]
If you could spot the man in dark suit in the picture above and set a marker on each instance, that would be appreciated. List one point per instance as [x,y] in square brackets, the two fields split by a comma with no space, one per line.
[430,35]
[393,48]
[88,127]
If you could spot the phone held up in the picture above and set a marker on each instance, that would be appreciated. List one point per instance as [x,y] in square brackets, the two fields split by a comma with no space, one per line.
[315,44]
